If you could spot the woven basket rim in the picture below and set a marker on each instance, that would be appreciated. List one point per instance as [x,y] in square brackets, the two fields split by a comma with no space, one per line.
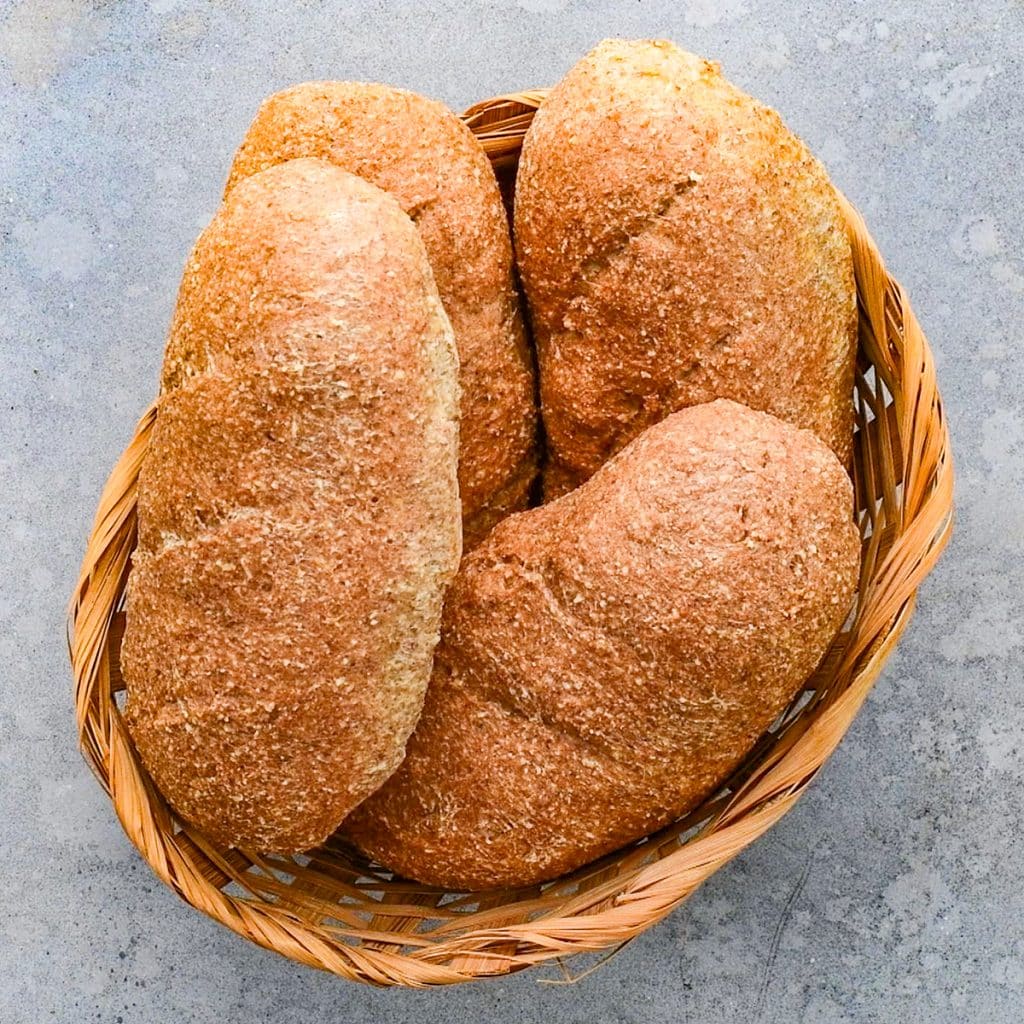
[903,476]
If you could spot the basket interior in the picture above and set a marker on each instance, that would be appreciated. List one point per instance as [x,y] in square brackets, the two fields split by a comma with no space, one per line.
[336,888]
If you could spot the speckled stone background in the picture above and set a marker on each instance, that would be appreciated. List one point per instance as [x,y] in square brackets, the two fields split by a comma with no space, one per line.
[894,890]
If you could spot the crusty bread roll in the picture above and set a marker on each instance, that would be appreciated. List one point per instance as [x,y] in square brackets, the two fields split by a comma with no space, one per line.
[298,512]
[676,244]
[607,659]
[421,153]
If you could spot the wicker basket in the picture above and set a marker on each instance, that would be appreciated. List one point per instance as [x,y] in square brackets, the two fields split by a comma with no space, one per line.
[332,910]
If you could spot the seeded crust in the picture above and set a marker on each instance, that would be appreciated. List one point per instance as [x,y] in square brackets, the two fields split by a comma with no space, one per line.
[607,659]
[421,153]
[298,510]
[677,244]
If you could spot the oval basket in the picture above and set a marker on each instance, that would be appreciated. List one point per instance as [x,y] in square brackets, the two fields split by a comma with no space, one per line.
[333,910]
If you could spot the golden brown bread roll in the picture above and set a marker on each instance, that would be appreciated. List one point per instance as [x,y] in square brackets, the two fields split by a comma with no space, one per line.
[298,511]
[607,659]
[677,244]
[422,154]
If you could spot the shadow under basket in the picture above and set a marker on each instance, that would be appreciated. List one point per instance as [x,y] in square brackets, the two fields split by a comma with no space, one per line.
[333,910]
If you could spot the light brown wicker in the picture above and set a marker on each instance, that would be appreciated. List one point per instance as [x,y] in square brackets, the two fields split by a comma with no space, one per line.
[333,910]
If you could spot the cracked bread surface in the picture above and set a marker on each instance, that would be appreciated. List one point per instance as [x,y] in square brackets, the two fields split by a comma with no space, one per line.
[676,244]
[421,153]
[298,512]
[607,659]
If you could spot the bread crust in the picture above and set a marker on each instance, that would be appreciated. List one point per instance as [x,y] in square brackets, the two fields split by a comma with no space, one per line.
[421,153]
[298,512]
[676,244]
[607,659]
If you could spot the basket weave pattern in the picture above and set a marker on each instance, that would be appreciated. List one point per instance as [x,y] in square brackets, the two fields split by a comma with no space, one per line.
[332,910]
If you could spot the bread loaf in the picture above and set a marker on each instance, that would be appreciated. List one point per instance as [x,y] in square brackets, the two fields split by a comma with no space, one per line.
[607,659]
[677,244]
[298,512]
[421,153]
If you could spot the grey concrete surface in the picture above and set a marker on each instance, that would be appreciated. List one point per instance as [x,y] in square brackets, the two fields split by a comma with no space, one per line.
[894,891]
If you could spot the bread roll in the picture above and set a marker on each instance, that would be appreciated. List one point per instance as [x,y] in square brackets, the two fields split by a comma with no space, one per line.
[607,659]
[422,154]
[298,512]
[677,244]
